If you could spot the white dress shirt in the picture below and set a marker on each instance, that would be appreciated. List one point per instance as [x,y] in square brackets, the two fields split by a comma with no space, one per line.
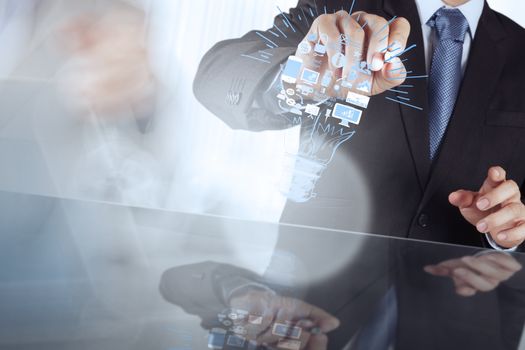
[472,11]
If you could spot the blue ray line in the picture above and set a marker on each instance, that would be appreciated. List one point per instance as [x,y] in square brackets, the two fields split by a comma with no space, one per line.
[325,11]
[406,86]
[403,98]
[286,19]
[352,7]
[316,9]
[256,58]
[404,103]
[364,25]
[280,31]
[389,46]
[396,69]
[402,52]
[265,38]
[412,77]
[273,33]
[386,25]
[311,13]
[305,18]
[265,53]
[399,91]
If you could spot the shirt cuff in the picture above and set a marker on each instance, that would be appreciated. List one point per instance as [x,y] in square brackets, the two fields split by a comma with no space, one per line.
[496,246]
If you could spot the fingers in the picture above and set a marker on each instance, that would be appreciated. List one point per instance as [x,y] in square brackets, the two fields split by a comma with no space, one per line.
[325,321]
[495,176]
[385,36]
[487,268]
[503,219]
[506,192]
[437,270]
[391,75]
[354,41]
[512,237]
[394,71]
[462,199]
[295,313]
[464,290]
[475,281]
[377,30]
[504,260]
[399,33]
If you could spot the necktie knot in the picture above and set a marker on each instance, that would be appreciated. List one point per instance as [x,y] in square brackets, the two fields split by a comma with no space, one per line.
[449,24]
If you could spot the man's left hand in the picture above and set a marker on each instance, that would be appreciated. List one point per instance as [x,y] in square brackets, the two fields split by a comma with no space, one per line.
[495,209]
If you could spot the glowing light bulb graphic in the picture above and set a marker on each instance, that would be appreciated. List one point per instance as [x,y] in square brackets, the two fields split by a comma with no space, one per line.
[318,143]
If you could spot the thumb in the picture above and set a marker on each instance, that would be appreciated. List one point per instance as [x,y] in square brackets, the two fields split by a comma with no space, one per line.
[390,76]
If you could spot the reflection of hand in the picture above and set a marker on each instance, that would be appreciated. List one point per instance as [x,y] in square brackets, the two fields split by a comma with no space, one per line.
[481,273]
[366,40]
[108,68]
[314,322]
[496,208]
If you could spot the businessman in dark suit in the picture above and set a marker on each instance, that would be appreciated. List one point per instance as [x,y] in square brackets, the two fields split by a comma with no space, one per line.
[466,132]
[414,161]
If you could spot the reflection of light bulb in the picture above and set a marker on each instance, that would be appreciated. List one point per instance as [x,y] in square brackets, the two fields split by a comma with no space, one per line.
[318,144]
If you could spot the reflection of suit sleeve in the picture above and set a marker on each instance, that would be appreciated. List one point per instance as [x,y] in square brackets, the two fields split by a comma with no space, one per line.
[202,289]
[228,82]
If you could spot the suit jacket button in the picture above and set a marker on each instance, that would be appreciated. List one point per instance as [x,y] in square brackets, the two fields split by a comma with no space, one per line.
[423,220]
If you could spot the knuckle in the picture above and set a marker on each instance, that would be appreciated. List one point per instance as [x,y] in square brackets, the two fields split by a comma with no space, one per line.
[325,19]
[380,22]
[515,209]
[342,13]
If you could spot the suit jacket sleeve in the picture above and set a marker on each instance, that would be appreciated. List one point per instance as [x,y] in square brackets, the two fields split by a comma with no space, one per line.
[228,82]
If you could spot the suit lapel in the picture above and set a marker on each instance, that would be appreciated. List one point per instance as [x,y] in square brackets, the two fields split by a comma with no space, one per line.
[415,121]
[484,67]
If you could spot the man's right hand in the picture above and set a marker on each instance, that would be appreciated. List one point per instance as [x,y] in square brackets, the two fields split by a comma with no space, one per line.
[364,40]
[275,309]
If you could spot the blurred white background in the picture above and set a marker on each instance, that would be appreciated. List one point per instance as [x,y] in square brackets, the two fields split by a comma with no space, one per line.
[217,169]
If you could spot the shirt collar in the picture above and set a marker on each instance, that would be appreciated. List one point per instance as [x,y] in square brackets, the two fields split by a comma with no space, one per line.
[471,10]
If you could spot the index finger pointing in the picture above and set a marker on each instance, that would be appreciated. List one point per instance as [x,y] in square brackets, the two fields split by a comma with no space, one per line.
[495,176]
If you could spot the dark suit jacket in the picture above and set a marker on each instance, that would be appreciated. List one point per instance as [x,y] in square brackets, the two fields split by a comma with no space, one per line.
[408,194]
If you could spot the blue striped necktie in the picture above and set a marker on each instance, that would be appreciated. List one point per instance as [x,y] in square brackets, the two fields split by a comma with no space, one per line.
[451,27]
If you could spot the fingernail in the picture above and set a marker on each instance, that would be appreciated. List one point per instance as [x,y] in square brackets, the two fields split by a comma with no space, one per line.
[460,272]
[482,227]
[496,173]
[483,204]
[502,237]
[377,64]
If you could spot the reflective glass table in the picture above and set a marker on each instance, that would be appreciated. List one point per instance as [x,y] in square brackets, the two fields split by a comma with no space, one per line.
[91,275]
